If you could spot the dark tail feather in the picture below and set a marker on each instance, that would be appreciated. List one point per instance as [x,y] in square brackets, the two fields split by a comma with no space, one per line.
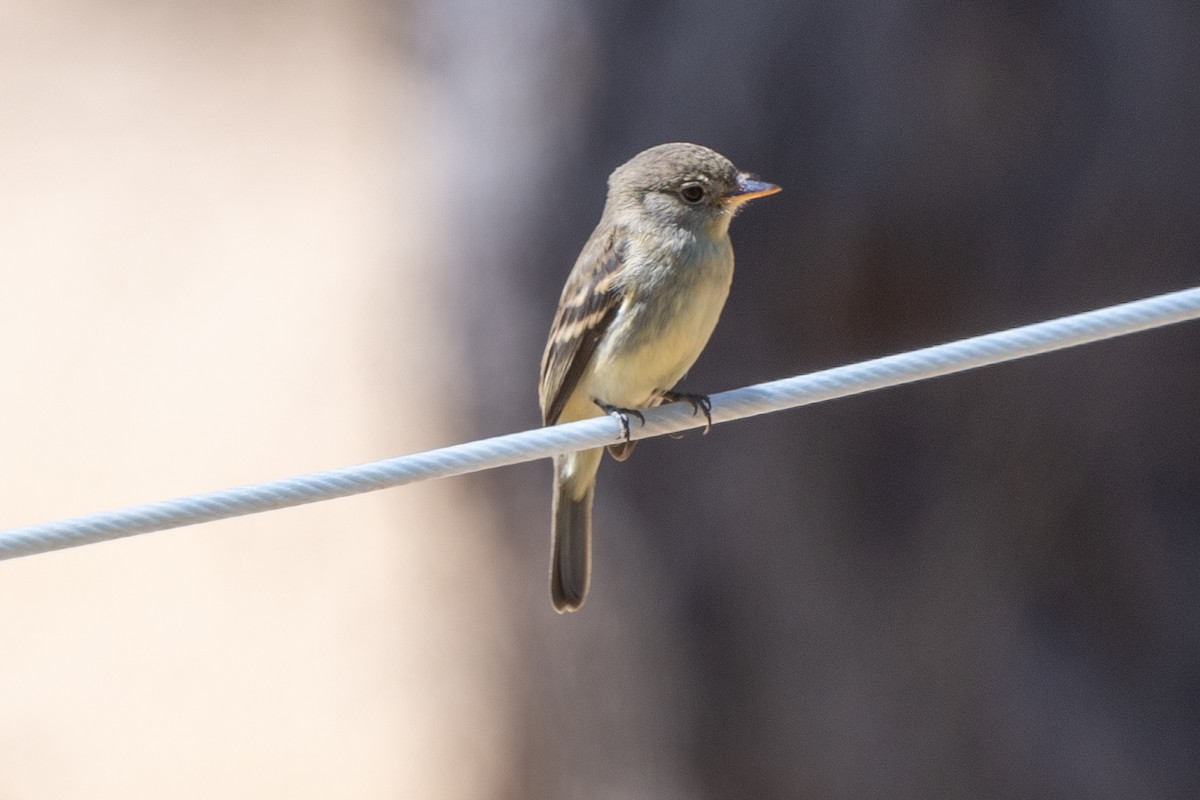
[571,555]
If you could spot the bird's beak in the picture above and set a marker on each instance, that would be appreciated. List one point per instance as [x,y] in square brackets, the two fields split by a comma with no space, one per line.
[749,188]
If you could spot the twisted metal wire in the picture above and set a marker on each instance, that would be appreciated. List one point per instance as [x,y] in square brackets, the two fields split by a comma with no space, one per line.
[529,445]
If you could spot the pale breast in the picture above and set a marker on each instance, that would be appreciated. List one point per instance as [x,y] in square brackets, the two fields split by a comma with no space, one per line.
[661,328]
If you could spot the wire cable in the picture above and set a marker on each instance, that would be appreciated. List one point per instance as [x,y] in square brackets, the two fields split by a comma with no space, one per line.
[879,373]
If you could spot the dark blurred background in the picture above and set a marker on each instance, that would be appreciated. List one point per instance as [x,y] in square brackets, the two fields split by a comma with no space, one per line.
[980,586]
[246,240]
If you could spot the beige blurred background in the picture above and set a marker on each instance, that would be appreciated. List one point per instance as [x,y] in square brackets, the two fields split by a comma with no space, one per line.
[222,228]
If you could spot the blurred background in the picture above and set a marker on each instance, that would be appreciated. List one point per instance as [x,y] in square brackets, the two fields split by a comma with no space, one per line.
[248,240]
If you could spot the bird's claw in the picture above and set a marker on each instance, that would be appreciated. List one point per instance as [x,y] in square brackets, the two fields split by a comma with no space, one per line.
[622,415]
[698,402]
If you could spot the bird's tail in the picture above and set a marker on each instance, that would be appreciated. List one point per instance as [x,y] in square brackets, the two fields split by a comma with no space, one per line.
[571,552]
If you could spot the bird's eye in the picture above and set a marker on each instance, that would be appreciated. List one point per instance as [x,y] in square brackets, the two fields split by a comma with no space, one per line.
[691,192]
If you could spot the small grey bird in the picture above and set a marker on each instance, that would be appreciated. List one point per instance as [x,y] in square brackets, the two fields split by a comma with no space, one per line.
[638,307]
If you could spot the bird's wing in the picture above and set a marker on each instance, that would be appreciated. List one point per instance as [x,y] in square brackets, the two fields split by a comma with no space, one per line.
[588,305]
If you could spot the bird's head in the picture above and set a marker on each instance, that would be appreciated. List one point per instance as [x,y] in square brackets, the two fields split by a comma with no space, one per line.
[683,185]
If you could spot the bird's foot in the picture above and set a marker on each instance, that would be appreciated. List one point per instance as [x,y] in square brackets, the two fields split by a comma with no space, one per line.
[622,415]
[698,402]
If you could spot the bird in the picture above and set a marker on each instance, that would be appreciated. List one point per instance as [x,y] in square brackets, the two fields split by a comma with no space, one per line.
[635,313]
